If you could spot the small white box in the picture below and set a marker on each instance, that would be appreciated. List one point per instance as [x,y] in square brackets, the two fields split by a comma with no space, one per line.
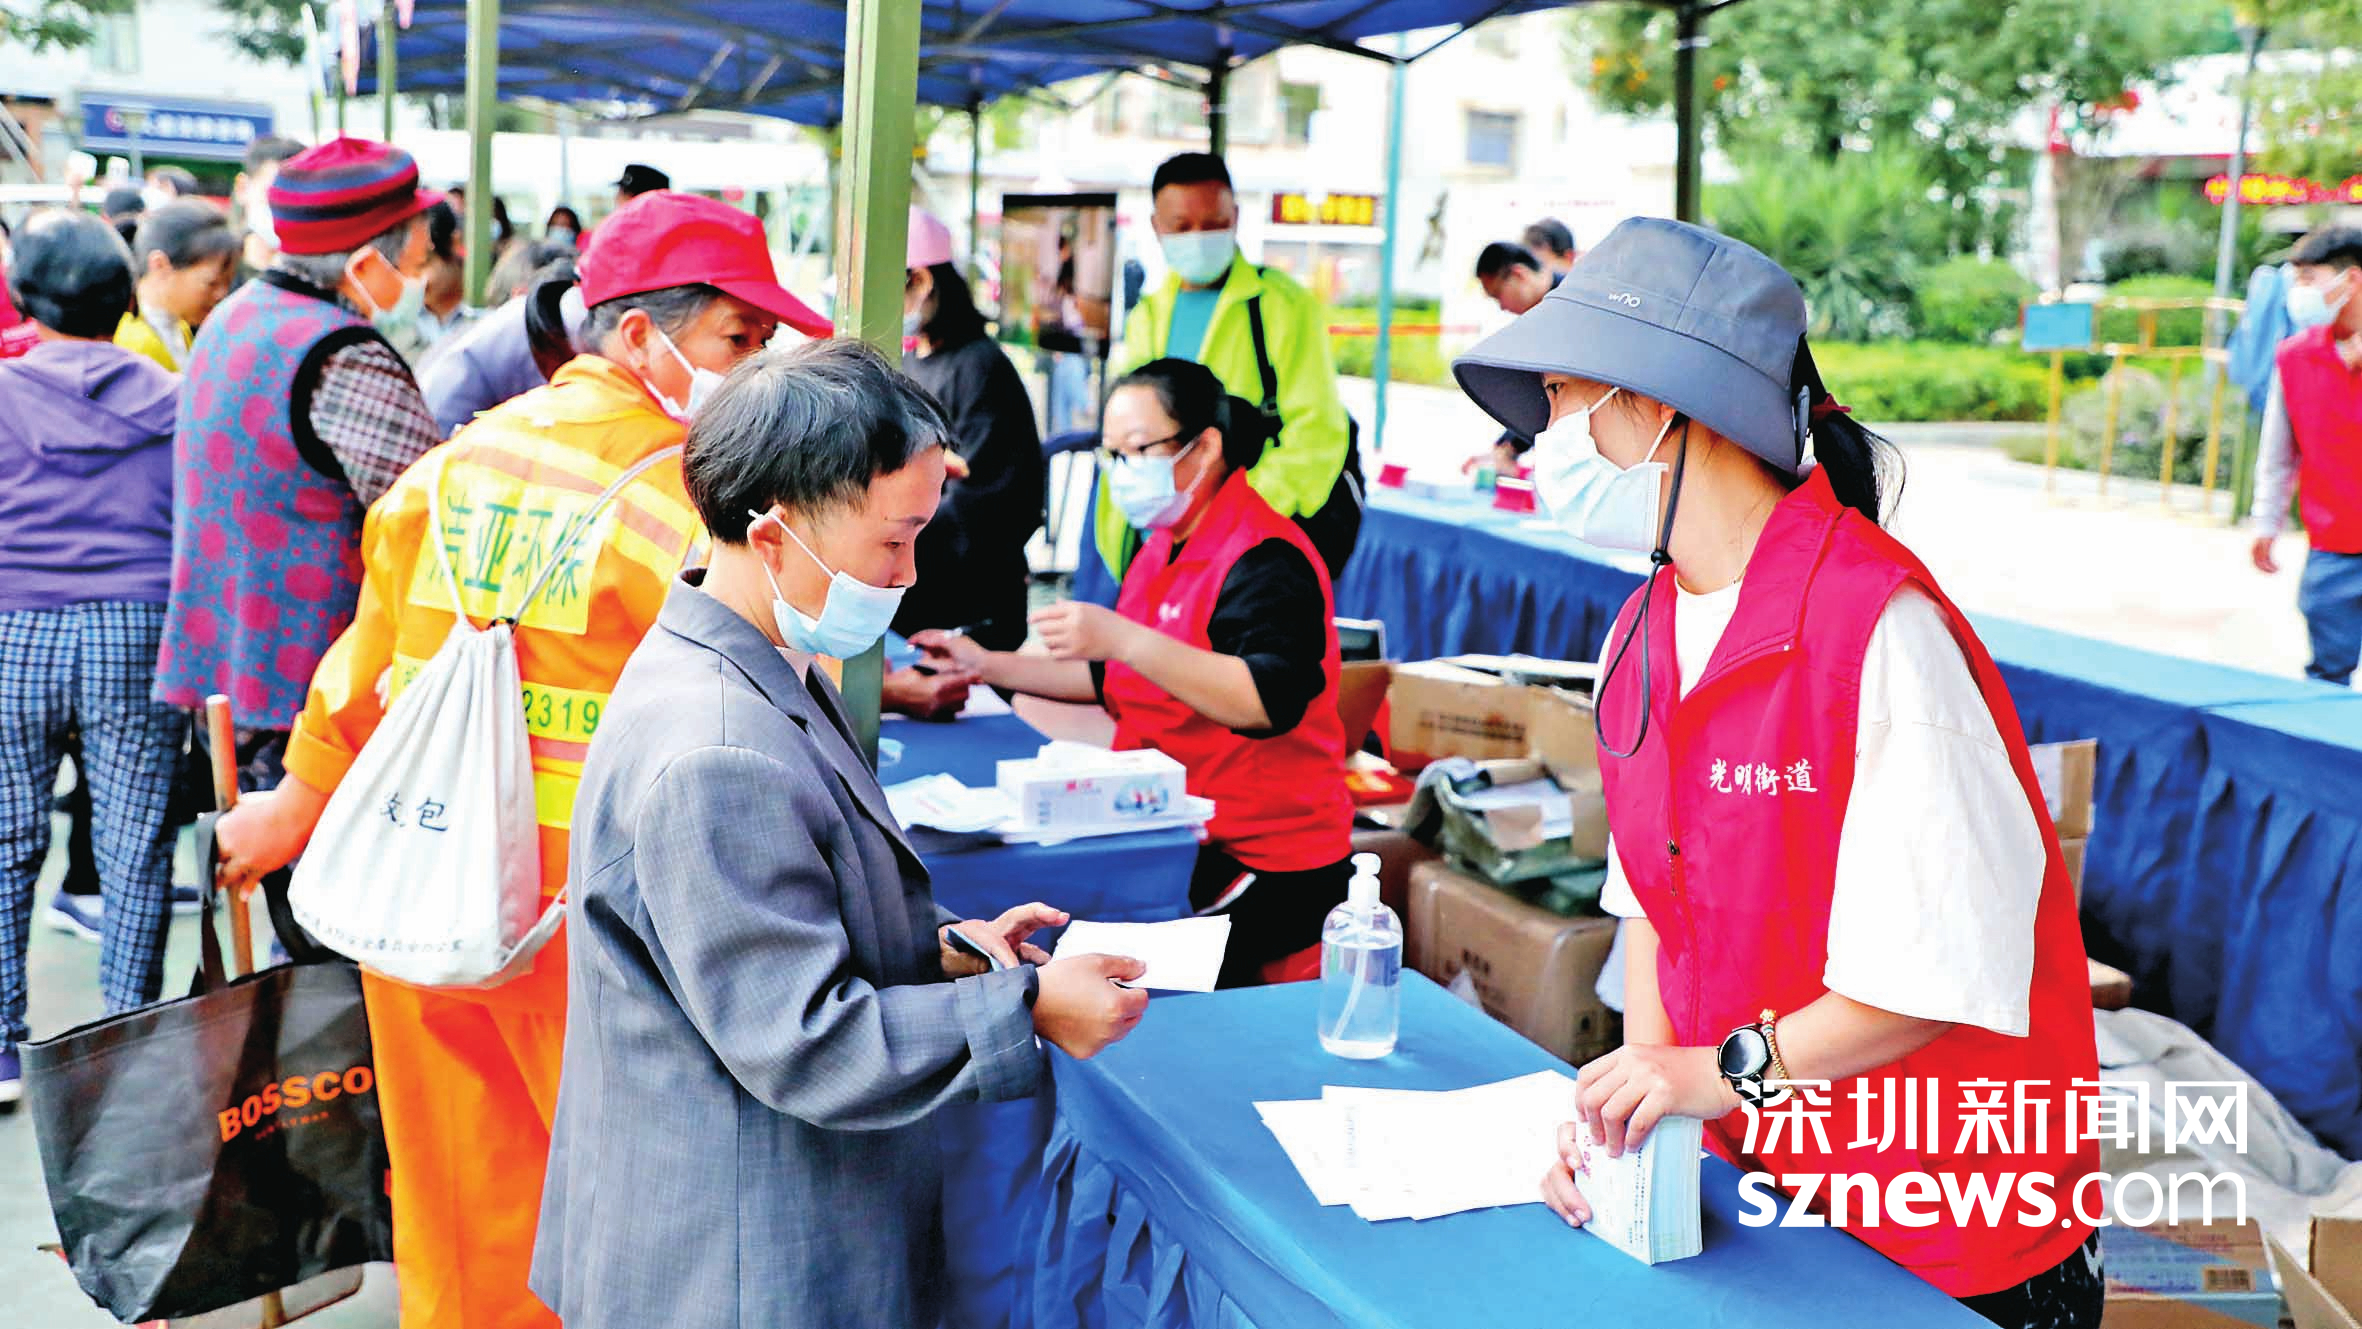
[1066,789]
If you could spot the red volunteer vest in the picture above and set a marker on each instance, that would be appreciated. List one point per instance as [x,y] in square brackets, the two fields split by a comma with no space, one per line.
[1726,821]
[2325,410]
[1279,803]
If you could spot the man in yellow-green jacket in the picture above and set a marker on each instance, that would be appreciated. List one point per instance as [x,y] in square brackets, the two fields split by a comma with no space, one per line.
[1208,310]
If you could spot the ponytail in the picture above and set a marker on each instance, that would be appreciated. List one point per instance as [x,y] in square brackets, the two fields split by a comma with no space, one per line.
[1865,470]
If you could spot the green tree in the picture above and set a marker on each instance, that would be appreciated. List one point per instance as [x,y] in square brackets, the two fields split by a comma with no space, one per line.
[269,30]
[47,25]
[2310,122]
[1945,78]
[265,29]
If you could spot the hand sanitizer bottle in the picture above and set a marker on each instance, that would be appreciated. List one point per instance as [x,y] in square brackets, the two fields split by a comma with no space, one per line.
[1361,970]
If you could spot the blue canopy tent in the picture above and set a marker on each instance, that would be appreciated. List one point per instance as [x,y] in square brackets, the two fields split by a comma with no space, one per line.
[788,59]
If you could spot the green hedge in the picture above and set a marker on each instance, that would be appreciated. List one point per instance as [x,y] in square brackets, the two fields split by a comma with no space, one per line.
[1416,358]
[2140,427]
[1968,300]
[1904,382]
[2175,327]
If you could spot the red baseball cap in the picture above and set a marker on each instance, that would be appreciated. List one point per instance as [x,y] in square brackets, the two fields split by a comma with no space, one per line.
[670,238]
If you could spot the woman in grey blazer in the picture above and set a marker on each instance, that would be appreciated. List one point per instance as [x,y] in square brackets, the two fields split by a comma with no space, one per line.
[766,1007]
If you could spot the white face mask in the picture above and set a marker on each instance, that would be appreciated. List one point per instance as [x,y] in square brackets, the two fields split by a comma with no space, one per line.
[1199,257]
[2310,307]
[853,614]
[258,221]
[702,383]
[1596,501]
[1144,491]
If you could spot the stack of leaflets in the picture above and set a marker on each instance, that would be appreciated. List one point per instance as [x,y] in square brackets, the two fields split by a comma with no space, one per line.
[1390,1153]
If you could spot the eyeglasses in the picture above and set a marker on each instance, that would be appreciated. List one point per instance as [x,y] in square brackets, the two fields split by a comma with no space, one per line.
[1158,449]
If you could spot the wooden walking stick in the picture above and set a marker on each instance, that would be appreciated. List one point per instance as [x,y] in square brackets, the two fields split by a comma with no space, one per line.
[222,739]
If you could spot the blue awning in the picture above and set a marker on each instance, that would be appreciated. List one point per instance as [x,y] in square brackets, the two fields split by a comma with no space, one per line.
[787,59]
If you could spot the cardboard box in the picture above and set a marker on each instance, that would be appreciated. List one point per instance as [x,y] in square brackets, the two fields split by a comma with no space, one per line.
[1533,970]
[2111,988]
[1439,709]
[2328,1293]
[1442,710]
[1361,690]
[2188,1276]
[2066,772]
[2073,851]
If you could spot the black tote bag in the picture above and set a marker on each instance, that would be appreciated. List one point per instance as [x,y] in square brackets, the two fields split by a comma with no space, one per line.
[204,1151]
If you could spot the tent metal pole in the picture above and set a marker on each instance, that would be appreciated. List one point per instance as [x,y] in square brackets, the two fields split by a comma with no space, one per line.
[2226,253]
[1383,363]
[975,187]
[1690,22]
[483,86]
[387,59]
[1218,105]
[873,232]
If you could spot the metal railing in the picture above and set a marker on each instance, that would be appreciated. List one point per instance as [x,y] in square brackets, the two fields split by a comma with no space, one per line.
[2057,319]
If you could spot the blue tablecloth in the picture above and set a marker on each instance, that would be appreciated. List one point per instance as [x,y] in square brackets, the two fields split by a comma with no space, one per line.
[1171,1207]
[2273,906]
[1140,878]
[992,1152]
[2222,867]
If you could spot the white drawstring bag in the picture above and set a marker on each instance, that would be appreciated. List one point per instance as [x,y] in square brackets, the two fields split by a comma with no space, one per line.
[426,864]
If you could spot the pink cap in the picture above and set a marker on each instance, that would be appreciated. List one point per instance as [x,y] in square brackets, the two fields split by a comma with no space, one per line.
[930,239]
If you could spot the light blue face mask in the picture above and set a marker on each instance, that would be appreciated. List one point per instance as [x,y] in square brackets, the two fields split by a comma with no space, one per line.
[2311,307]
[1597,501]
[1144,491]
[853,615]
[1199,257]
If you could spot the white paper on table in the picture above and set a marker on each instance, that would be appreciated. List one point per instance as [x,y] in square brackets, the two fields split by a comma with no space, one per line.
[1307,1131]
[1424,1155]
[942,802]
[983,701]
[1184,955]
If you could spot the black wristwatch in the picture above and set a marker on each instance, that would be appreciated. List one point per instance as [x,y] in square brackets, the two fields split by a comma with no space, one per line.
[1749,1060]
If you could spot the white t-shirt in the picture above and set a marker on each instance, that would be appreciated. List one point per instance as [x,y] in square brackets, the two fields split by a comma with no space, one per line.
[1939,860]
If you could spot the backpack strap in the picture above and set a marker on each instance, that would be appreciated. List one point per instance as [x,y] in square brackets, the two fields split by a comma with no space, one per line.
[567,539]
[1263,365]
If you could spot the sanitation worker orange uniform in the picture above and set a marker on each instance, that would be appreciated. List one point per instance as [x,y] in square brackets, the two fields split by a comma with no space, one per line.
[468,1079]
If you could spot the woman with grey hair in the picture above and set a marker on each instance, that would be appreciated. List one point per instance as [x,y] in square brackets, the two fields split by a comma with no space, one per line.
[750,966]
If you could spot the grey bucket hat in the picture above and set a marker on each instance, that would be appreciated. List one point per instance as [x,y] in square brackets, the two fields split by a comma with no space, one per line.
[1673,312]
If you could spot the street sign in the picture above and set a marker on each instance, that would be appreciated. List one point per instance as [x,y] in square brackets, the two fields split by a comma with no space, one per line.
[2057,327]
[171,126]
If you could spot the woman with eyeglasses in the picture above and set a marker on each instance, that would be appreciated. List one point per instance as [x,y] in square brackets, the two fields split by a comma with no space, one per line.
[1221,652]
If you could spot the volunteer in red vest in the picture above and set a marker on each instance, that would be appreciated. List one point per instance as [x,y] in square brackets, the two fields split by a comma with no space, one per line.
[2312,444]
[1837,869]
[1221,652]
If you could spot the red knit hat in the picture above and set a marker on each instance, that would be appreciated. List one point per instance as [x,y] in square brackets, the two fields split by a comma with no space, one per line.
[344,193]
[670,238]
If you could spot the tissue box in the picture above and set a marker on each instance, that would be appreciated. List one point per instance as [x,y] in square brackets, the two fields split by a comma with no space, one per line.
[1072,790]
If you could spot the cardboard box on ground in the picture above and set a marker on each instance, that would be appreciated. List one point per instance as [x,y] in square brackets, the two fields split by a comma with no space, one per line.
[2326,1291]
[1532,968]
[2188,1276]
